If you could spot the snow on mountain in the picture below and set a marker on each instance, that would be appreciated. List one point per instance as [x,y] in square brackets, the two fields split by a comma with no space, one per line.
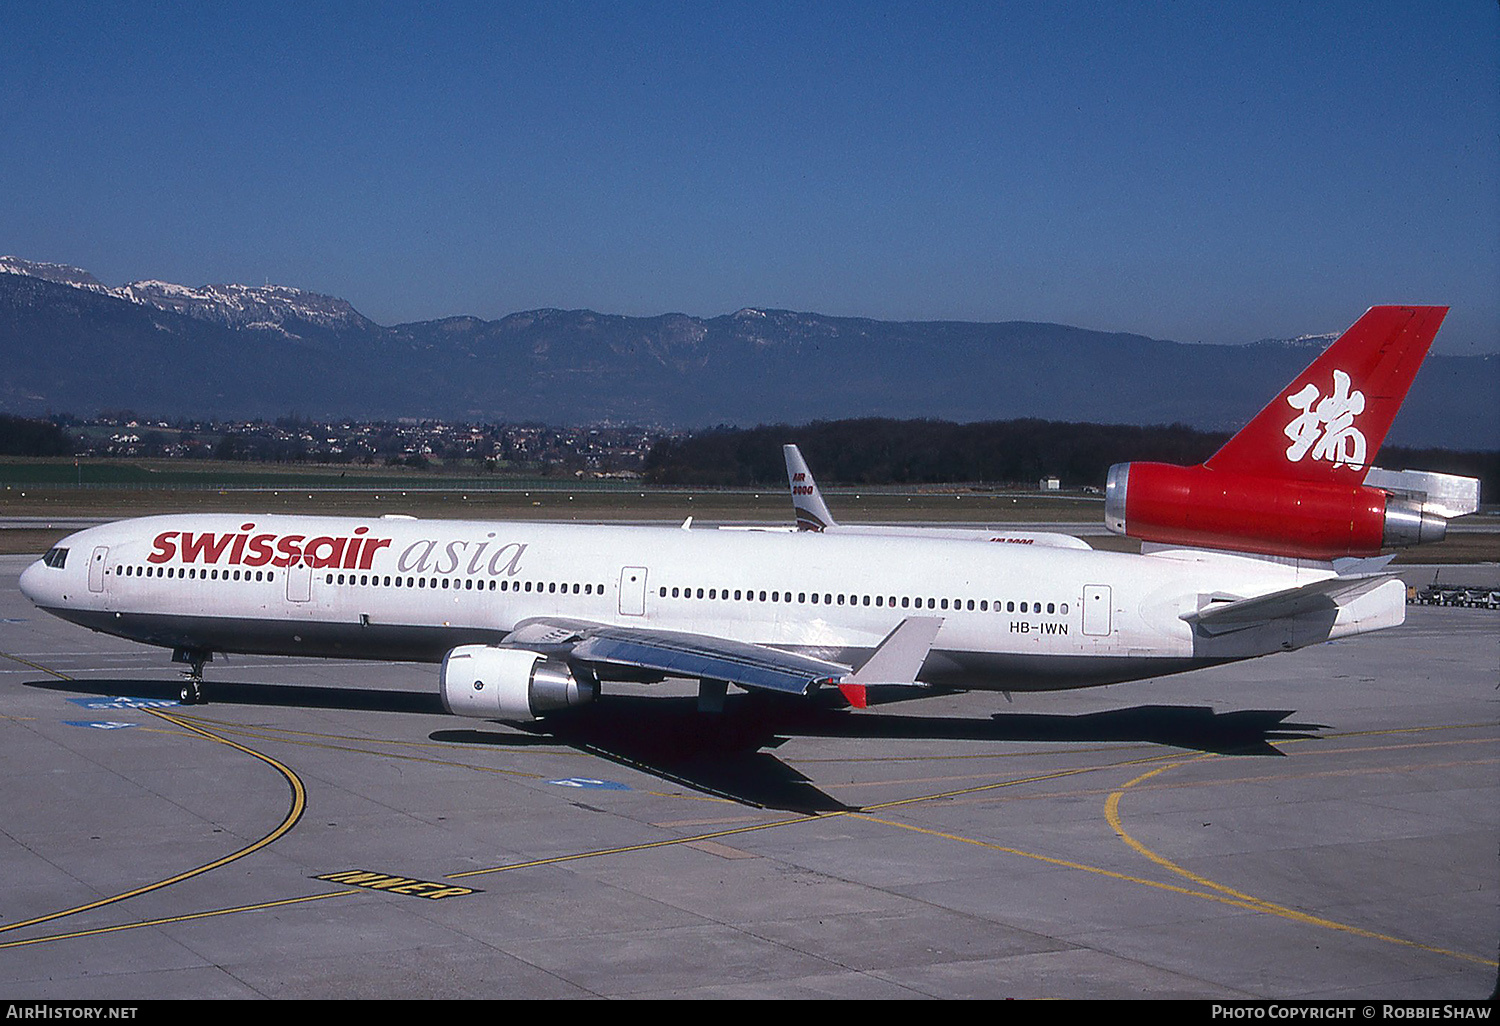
[63,274]
[1301,341]
[255,307]
[71,343]
[275,308]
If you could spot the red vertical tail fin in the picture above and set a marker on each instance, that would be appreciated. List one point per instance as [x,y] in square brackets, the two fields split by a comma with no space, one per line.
[1330,421]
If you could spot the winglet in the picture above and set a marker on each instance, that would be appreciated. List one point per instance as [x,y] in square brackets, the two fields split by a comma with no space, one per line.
[896,660]
[899,658]
[807,501]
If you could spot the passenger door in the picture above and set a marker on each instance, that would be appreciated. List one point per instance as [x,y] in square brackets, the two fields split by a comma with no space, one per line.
[633,591]
[298,582]
[1096,611]
[97,565]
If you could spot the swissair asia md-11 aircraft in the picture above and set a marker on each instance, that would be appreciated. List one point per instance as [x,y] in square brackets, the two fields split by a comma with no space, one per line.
[1266,547]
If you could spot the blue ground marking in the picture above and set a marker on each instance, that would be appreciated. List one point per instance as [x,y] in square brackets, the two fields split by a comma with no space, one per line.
[123,702]
[589,782]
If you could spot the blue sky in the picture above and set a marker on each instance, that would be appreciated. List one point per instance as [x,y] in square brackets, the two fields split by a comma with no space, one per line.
[1194,171]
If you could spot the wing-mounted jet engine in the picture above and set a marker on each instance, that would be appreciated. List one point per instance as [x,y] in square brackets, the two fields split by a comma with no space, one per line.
[491,682]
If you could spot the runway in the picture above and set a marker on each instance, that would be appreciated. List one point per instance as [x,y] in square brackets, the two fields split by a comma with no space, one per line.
[1321,824]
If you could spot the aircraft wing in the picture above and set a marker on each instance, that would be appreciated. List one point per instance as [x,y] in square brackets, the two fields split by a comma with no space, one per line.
[677,654]
[693,655]
[896,660]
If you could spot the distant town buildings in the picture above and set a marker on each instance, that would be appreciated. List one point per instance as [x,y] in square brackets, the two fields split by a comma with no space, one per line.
[473,448]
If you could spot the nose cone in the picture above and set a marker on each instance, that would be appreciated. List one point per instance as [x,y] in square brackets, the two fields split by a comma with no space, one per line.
[32,580]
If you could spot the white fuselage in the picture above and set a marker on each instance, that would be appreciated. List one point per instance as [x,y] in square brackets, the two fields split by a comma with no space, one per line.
[1014,616]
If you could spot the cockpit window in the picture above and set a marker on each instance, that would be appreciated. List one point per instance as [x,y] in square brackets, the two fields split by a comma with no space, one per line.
[56,558]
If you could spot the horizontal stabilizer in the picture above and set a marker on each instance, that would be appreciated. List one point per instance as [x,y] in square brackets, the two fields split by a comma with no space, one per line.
[1447,495]
[1320,596]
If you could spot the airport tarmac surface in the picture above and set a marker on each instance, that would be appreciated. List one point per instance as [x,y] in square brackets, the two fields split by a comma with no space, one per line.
[1321,824]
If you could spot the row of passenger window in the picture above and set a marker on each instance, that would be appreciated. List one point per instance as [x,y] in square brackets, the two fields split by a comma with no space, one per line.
[366,580]
[555,588]
[194,573]
[463,584]
[885,601]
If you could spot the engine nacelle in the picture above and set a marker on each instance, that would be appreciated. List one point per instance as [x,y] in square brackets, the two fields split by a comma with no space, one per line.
[1160,502]
[509,683]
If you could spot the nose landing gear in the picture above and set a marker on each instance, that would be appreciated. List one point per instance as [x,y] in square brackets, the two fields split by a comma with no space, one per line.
[191,692]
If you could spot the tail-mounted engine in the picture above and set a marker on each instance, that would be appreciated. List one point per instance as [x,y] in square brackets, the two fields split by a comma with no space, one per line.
[1317,498]
[510,683]
[1159,502]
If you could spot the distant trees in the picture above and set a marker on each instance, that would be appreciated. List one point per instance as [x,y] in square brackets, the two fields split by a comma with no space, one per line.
[22,437]
[230,447]
[881,451]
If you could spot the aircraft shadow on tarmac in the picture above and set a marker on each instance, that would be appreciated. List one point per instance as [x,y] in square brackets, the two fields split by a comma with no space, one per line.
[296,696]
[729,755]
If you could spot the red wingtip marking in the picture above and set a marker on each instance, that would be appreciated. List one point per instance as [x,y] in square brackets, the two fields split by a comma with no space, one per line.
[855,695]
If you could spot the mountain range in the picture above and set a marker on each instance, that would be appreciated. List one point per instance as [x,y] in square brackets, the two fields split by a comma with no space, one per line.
[69,343]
